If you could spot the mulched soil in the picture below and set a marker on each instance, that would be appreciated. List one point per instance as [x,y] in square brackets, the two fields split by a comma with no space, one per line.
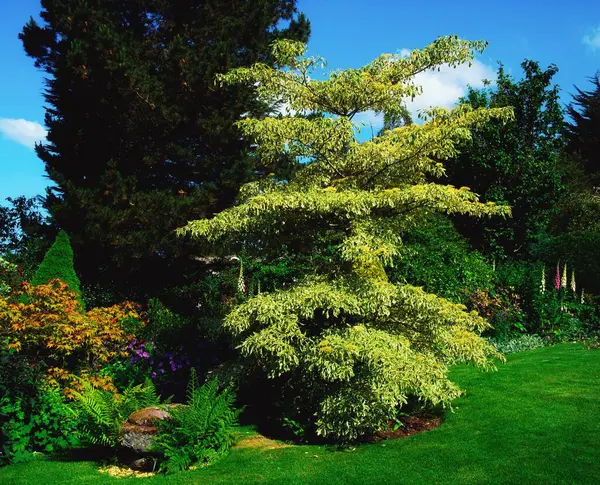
[412,425]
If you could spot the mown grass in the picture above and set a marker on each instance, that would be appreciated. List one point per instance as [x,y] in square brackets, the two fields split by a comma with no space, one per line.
[536,420]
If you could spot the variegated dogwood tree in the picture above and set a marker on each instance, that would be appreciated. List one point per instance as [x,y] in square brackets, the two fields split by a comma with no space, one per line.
[358,344]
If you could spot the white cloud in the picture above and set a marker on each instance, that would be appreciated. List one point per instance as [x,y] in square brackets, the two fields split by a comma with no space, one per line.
[25,132]
[445,87]
[441,88]
[592,39]
[369,119]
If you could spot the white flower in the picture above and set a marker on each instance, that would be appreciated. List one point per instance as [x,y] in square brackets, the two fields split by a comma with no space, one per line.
[543,282]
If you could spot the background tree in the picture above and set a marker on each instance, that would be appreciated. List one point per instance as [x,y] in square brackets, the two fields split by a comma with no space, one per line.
[436,257]
[514,163]
[574,235]
[343,344]
[399,117]
[25,233]
[583,132]
[141,139]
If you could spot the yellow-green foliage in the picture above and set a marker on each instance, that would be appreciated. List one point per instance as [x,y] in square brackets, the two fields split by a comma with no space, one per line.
[361,343]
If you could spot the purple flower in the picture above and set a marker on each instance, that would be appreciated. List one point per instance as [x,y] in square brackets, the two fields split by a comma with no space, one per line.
[145,355]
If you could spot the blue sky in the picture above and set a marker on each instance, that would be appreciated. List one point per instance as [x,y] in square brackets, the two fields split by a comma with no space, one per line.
[348,33]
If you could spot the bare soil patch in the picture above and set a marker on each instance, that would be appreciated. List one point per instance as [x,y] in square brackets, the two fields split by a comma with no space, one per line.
[260,442]
[411,425]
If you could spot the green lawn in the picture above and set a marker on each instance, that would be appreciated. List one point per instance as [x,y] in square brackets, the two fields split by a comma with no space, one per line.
[536,420]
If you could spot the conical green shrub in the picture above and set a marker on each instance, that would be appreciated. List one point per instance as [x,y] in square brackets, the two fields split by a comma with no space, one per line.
[58,264]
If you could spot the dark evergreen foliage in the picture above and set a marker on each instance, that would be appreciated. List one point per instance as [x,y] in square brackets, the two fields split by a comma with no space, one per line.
[436,257]
[583,133]
[141,138]
[575,227]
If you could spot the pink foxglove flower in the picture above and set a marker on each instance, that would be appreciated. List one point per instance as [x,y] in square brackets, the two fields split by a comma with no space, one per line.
[557,278]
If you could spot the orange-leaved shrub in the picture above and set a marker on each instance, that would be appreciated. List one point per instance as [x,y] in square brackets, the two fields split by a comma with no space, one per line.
[47,324]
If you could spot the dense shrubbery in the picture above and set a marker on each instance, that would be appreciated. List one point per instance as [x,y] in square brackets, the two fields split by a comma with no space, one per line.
[436,257]
[70,377]
[166,345]
[54,334]
[34,421]
[33,414]
[49,349]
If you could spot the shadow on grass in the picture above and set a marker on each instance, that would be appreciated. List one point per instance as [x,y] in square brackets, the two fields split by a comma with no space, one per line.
[99,455]
[95,454]
[414,417]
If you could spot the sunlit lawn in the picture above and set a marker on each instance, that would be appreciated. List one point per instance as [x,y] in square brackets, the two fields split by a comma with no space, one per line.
[536,420]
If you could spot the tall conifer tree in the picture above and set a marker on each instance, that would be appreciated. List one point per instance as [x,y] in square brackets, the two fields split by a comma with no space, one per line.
[140,137]
[583,132]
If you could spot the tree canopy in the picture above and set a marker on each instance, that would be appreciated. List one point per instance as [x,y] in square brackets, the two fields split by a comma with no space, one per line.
[355,343]
[574,234]
[140,139]
[514,163]
[583,132]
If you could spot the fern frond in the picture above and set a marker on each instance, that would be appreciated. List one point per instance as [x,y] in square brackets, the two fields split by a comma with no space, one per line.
[201,431]
[101,413]
[193,385]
